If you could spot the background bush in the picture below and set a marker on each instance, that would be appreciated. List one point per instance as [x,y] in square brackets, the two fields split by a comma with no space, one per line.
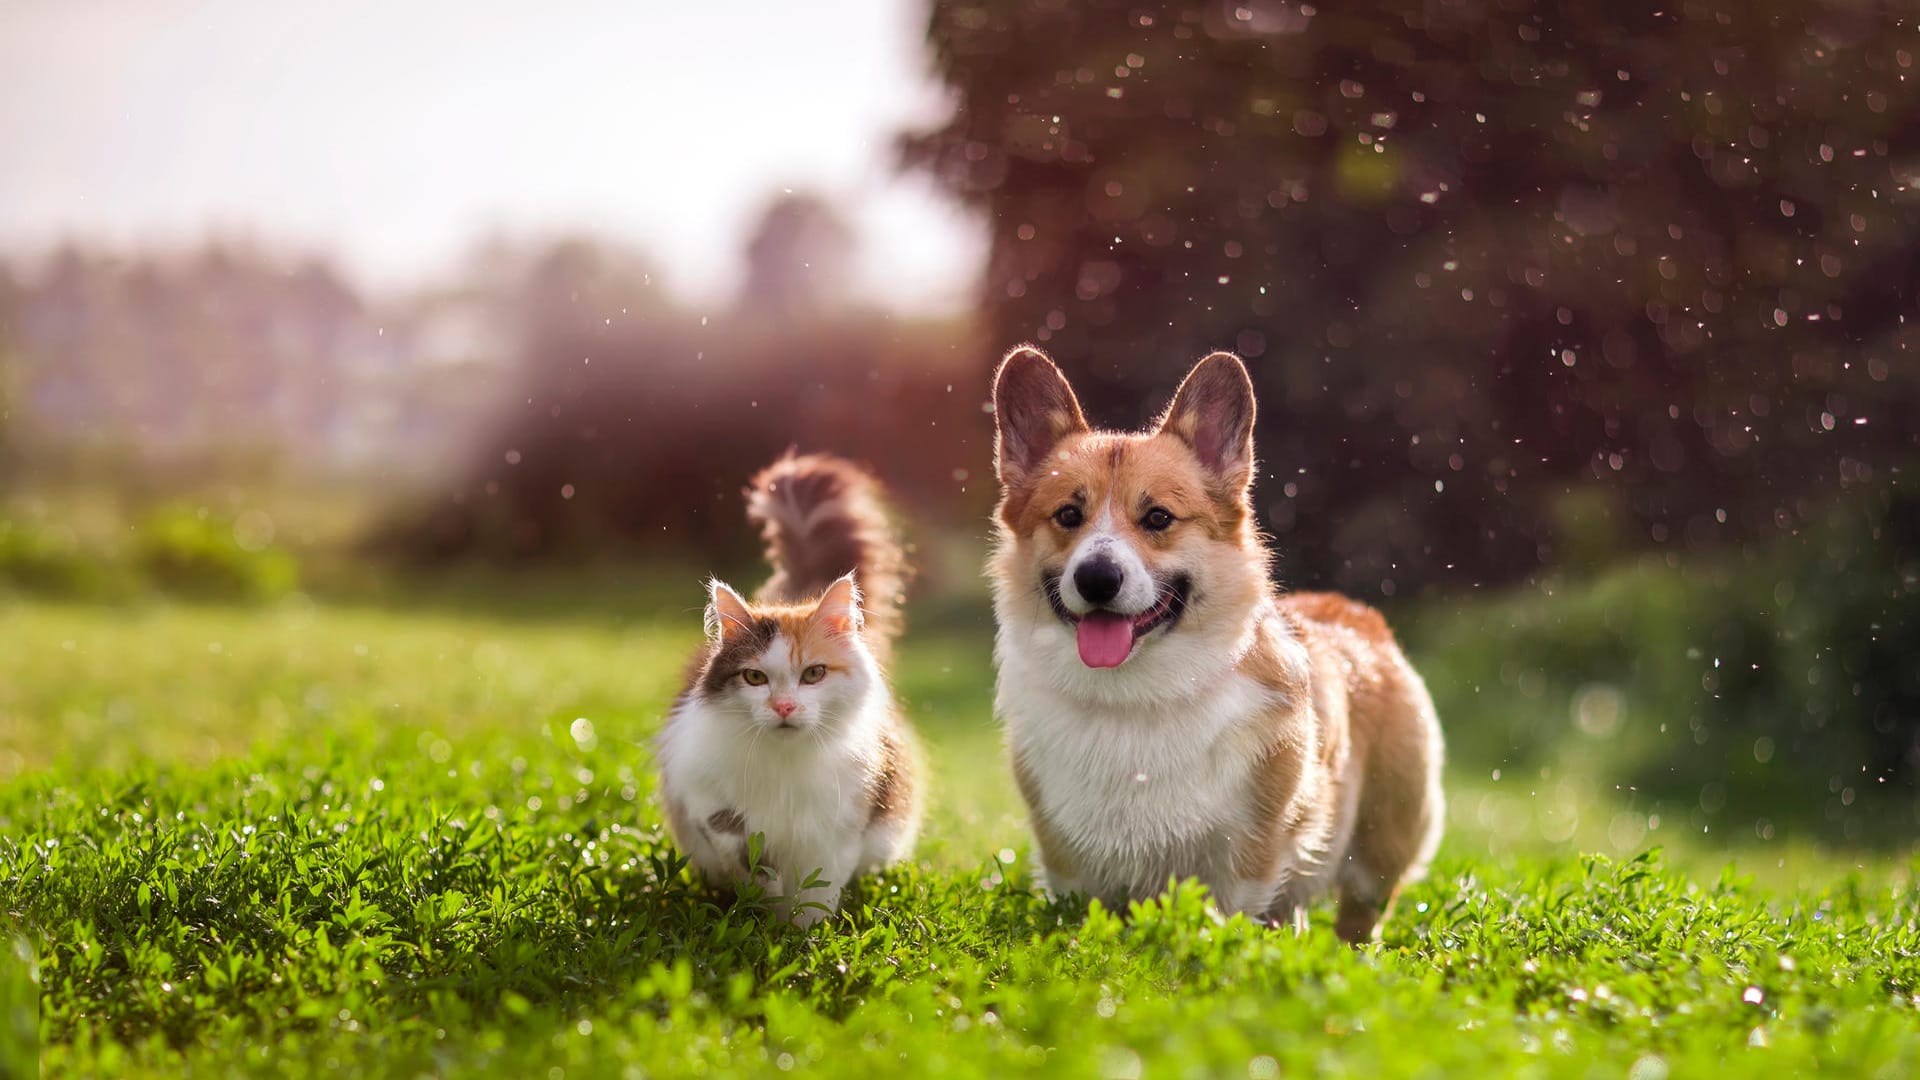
[175,550]
[193,553]
[48,560]
[1775,684]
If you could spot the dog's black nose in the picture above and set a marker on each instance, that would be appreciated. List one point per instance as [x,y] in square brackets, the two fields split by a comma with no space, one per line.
[1098,580]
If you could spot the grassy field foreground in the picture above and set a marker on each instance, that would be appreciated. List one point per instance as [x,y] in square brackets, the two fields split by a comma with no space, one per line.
[336,840]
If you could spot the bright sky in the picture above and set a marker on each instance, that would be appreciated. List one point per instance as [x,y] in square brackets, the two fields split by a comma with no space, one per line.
[395,132]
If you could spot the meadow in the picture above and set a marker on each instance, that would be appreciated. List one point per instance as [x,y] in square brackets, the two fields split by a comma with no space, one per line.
[415,836]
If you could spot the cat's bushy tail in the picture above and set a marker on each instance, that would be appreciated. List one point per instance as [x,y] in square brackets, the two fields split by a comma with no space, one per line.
[822,516]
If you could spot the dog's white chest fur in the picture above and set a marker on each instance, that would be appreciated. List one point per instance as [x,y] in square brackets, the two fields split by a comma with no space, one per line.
[1141,794]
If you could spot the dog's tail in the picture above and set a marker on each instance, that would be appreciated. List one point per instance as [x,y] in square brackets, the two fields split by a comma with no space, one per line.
[823,517]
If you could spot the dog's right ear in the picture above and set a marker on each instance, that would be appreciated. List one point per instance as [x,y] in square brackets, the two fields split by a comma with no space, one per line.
[1033,409]
[1212,412]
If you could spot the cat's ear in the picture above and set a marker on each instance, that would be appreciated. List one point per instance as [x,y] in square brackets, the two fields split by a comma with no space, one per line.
[728,618]
[839,607]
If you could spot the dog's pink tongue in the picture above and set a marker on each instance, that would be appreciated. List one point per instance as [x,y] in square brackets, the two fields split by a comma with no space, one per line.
[1105,639]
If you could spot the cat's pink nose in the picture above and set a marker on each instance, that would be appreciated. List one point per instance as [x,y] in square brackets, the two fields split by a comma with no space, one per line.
[782,707]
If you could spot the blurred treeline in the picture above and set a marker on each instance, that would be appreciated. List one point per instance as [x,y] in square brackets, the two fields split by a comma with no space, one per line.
[550,399]
[171,420]
[160,369]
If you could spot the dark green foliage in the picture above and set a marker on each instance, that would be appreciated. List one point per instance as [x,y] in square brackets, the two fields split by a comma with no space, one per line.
[192,553]
[46,560]
[177,550]
[19,1008]
[1779,687]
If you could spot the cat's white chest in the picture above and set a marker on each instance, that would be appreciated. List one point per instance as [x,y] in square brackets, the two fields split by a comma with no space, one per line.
[807,798]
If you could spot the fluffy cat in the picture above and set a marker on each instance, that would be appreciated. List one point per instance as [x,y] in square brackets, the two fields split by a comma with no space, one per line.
[787,727]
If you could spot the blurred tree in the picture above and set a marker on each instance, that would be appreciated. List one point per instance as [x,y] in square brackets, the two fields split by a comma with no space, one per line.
[799,258]
[635,420]
[1477,254]
[576,285]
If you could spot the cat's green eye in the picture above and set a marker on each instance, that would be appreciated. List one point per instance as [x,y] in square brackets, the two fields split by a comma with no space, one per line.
[753,677]
[814,674]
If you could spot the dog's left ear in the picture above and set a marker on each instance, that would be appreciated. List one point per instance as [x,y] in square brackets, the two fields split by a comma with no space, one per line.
[1212,412]
[1033,409]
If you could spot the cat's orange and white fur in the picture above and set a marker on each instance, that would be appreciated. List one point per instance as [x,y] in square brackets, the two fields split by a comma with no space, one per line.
[1170,713]
[787,727]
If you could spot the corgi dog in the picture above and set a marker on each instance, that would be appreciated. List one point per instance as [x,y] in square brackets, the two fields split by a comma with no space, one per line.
[1169,712]
[787,728]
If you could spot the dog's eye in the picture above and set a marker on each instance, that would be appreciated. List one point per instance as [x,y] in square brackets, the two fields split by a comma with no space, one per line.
[814,674]
[753,677]
[1157,519]
[1067,517]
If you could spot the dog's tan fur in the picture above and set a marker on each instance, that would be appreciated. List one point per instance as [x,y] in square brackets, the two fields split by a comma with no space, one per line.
[1324,730]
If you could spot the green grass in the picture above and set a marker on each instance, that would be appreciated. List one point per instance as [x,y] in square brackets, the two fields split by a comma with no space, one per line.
[351,840]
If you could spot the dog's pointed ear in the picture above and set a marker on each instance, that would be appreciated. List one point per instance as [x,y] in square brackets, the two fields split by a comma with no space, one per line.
[1212,412]
[1033,409]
